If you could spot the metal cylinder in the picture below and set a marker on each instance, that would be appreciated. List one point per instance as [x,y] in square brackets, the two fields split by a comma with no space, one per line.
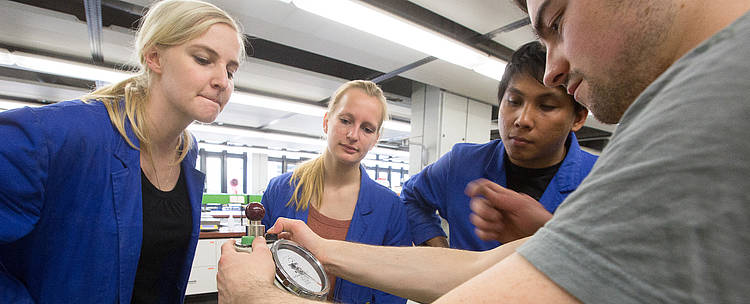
[256,229]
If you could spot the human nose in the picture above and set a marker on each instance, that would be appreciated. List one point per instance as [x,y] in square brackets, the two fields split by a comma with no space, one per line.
[352,133]
[557,68]
[220,79]
[525,118]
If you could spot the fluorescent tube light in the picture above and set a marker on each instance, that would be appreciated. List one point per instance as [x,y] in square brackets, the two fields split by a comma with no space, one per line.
[386,26]
[279,104]
[6,58]
[67,68]
[195,127]
[10,104]
[273,103]
[255,134]
[397,126]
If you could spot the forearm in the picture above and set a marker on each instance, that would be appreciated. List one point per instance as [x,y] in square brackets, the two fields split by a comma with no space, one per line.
[418,273]
[271,295]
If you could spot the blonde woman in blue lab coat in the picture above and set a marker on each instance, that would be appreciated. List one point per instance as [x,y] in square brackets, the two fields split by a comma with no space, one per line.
[99,198]
[333,192]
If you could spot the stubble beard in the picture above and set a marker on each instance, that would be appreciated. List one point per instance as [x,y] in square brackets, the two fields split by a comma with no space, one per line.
[635,68]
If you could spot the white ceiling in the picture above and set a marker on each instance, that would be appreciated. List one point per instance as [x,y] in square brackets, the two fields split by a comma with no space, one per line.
[47,31]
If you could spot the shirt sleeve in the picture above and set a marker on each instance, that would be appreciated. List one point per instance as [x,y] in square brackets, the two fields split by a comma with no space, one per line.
[268,202]
[423,195]
[23,168]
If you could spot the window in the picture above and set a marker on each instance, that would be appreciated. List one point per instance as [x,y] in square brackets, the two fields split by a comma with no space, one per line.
[274,167]
[235,180]
[213,174]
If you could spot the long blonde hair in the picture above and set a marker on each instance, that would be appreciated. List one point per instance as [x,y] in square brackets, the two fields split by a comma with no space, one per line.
[309,177]
[167,23]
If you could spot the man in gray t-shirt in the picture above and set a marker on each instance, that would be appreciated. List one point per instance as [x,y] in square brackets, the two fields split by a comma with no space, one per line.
[664,215]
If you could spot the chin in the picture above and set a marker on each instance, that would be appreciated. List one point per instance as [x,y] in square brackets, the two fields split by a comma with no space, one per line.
[208,118]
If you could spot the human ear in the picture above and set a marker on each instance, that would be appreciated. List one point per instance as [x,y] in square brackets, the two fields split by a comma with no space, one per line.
[579,119]
[153,60]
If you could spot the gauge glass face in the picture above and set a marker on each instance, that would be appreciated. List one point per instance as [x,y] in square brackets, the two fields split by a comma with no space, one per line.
[299,269]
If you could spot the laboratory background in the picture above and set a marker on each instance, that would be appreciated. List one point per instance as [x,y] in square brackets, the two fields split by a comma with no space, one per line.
[439,63]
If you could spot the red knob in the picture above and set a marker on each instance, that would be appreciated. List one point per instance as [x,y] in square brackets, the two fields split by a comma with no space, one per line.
[255,211]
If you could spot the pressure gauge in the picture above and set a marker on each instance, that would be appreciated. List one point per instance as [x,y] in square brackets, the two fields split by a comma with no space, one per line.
[298,271]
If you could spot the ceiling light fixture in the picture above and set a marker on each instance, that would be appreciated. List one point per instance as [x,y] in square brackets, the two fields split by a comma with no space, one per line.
[397,125]
[318,143]
[62,67]
[371,20]
[56,66]
[274,103]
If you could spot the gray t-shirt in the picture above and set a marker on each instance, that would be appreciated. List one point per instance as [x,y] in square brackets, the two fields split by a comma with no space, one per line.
[664,216]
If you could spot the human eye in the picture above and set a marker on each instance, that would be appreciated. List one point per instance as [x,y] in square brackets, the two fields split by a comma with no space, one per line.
[556,25]
[201,60]
[513,101]
[344,120]
[547,108]
[230,74]
[369,130]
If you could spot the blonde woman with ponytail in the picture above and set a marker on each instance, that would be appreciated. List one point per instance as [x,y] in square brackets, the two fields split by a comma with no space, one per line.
[333,193]
[99,197]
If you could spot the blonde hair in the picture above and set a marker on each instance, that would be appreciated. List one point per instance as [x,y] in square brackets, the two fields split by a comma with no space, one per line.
[309,176]
[167,23]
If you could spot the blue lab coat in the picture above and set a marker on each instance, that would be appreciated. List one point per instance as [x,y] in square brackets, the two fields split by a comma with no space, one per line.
[440,186]
[379,219]
[70,206]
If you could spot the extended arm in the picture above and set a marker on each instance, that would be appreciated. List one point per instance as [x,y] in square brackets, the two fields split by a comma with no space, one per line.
[513,280]
[401,271]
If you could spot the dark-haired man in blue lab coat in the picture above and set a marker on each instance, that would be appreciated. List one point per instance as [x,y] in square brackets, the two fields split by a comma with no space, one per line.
[536,164]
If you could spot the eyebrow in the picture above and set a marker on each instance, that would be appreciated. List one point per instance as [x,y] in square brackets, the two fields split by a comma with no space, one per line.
[538,26]
[538,97]
[516,91]
[231,63]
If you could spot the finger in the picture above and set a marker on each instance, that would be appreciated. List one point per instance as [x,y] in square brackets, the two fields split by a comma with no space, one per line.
[259,243]
[228,246]
[496,196]
[283,224]
[481,208]
[486,235]
[471,188]
[480,223]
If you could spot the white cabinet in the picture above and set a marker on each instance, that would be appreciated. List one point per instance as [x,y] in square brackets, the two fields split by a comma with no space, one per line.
[205,266]
[202,280]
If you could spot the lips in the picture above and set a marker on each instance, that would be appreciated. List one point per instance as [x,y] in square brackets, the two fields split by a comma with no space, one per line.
[349,149]
[520,140]
[572,88]
[214,99]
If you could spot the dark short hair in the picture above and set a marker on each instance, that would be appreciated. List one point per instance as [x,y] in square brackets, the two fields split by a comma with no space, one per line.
[529,59]
[522,5]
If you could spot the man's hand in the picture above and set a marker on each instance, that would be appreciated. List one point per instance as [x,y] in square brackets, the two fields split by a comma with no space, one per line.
[438,241]
[299,232]
[502,214]
[242,276]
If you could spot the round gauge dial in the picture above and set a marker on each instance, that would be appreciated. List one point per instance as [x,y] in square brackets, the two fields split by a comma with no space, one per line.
[298,271]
